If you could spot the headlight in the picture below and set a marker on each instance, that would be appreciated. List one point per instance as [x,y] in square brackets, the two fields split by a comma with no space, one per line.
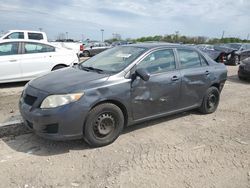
[54,101]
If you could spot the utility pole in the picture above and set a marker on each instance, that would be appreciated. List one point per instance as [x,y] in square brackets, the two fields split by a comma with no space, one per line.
[102,30]
[223,33]
[67,35]
[247,36]
[176,36]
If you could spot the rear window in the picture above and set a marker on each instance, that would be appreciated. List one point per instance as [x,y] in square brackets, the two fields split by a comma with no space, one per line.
[30,48]
[35,36]
[189,58]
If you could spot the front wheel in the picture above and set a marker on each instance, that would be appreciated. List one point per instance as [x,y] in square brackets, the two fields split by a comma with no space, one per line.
[210,101]
[103,125]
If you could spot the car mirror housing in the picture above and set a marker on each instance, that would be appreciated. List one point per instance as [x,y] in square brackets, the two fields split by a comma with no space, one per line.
[143,74]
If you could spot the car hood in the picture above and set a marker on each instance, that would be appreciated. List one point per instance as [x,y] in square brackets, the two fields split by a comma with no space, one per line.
[68,80]
[224,49]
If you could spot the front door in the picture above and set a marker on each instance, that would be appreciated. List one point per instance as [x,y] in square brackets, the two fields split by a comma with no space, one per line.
[160,94]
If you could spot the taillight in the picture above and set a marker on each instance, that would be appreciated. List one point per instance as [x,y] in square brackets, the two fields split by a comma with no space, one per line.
[81,47]
[222,58]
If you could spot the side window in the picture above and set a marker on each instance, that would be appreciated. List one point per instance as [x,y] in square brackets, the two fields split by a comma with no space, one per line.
[159,61]
[30,48]
[9,48]
[15,35]
[35,36]
[189,58]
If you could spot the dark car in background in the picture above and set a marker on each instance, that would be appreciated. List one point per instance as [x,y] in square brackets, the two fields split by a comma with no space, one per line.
[244,69]
[119,43]
[229,53]
[92,49]
[120,87]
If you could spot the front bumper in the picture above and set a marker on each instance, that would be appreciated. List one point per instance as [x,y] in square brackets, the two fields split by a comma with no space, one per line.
[61,123]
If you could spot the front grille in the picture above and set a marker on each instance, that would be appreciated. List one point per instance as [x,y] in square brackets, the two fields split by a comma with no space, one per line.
[30,100]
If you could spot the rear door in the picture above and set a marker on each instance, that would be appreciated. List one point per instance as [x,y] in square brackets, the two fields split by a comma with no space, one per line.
[196,77]
[10,62]
[161,93]
[37,59]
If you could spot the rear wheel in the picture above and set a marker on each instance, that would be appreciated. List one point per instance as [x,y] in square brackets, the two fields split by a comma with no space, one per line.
[85,54]
[210,101]
[103,125]
[241,78]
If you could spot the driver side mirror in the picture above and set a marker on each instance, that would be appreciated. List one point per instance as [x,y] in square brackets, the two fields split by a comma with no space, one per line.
[143,74]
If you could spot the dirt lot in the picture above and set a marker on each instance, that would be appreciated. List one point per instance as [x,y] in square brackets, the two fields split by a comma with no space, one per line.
[185,150]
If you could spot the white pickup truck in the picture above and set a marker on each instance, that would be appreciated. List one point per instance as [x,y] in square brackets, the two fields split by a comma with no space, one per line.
[76,47]
[24,34]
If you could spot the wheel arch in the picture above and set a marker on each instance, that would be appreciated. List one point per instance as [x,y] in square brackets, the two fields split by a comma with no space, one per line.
[117,103]
[61,64]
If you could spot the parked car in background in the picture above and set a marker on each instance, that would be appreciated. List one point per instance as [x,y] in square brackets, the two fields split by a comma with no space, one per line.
[118,43]
[244,69]
[216,55]
[92,49]
[22,60]
[205,47]
[230,53]
[24,34]
[76,47]
[122,86]
[234,52]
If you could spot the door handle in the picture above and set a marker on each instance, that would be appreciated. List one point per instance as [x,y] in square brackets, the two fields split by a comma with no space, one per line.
[175,78]
[207,72]
[13,60]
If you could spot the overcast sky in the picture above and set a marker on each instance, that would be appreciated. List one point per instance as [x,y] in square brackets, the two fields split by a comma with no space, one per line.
[130,18]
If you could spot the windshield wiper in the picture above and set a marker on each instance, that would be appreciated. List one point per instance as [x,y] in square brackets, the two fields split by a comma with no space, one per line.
[91,69]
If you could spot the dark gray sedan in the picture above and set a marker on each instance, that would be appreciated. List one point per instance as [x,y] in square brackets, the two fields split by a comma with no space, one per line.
[120,87]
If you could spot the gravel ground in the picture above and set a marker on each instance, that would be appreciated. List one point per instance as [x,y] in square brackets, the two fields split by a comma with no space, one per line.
[185,150]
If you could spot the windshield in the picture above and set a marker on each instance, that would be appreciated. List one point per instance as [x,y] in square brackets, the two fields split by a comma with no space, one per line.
[114,60]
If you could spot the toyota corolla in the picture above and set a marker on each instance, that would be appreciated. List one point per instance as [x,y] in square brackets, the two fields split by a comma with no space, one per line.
[120,87]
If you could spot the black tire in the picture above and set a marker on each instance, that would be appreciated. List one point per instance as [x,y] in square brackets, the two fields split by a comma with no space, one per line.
[103,125]
[210,101]
[241,78]
[58,67]
[85,54]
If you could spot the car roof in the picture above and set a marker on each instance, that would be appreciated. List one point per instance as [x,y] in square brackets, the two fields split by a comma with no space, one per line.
[160,45]
[17,30]
[27,40]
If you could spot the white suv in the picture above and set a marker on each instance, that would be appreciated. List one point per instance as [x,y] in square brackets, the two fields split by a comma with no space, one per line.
[24,34]
[23,60]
